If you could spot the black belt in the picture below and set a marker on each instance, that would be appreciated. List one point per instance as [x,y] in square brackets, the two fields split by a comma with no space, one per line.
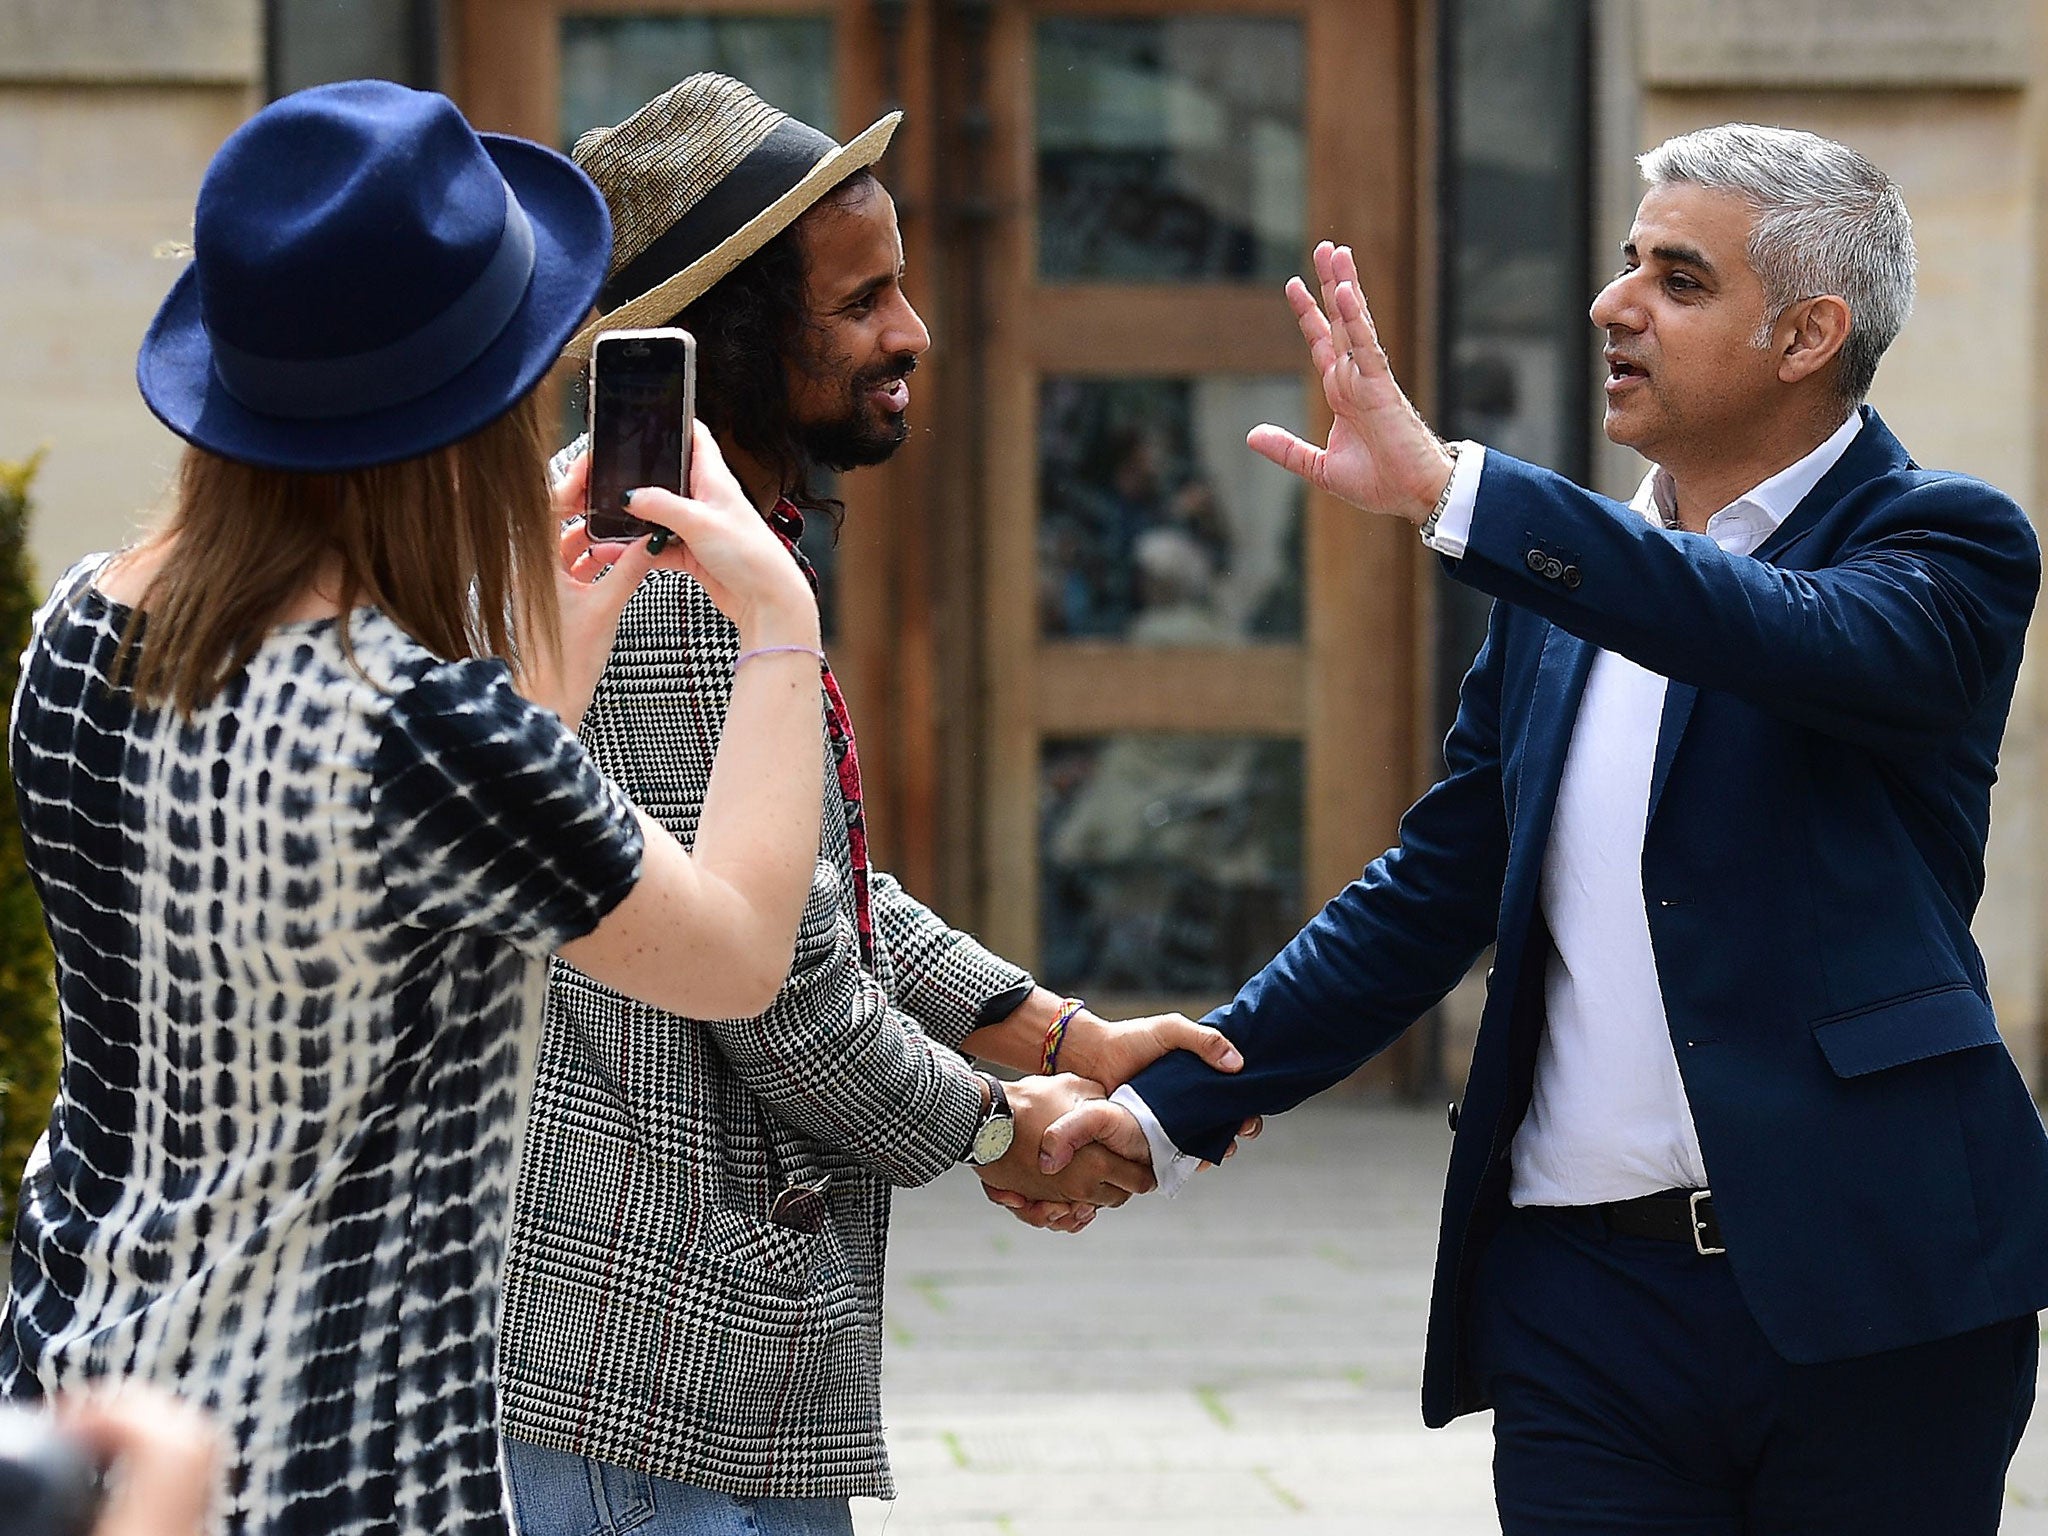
[1674,1215]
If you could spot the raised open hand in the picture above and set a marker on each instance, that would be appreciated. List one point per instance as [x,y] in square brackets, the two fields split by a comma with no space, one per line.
[1380,455]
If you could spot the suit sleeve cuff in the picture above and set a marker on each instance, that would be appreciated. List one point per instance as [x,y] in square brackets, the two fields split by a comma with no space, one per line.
[1453,530]
[1170,1166]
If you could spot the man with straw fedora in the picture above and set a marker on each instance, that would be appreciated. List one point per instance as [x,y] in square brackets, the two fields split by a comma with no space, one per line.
[692,1326]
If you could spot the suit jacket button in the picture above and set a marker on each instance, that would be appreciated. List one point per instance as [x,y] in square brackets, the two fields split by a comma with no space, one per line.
[1553,568]
[1571,577]
[1535,560]
[1451,1115]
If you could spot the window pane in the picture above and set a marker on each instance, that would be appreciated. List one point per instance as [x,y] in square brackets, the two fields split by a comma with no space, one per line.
[1156,525]
[614,65]
[1169,863]
[1170,149]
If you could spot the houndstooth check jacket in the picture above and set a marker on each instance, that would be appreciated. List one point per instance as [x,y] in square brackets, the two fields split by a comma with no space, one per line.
[654,1317]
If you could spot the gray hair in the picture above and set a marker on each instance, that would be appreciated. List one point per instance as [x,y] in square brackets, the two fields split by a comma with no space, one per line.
[1828,221]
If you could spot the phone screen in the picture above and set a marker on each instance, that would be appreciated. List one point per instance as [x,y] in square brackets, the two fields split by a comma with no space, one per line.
[641,383]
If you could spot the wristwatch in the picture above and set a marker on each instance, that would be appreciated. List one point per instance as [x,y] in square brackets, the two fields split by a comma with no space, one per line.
[1443,499]
[992,1137]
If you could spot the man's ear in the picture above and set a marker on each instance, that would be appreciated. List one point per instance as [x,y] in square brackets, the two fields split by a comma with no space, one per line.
[1809,336]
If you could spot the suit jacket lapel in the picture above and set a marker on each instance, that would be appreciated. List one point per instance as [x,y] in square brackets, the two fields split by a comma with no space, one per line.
[1560,683]
[1678,702]
[1553,713]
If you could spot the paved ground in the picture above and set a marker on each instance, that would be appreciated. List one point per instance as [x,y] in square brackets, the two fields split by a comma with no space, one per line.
[1243,1359]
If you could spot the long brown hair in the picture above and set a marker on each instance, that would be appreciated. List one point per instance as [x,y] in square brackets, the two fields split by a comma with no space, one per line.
[457,547]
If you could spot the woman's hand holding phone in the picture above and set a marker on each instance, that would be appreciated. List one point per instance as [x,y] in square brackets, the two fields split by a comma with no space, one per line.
[589,607]
[718,537]
[642,392]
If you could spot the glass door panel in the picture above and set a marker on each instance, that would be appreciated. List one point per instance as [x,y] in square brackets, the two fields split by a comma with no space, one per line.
[1516,344]
[1152,678]
[612,65]
[1169,149]
[1170,864]
[1155,526]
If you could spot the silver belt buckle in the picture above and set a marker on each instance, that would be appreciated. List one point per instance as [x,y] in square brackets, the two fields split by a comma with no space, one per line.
[1699,1227]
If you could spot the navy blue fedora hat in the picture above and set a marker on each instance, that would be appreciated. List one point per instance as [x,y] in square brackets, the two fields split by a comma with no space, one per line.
[371,279]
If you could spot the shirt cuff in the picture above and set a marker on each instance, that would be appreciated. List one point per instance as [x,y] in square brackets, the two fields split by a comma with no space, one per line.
[1170,1166]
[1453,529]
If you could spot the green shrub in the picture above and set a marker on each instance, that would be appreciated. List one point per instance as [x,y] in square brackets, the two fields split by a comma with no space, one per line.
[29,1048]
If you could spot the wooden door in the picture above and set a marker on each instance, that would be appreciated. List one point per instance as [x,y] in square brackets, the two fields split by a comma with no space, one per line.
[1131,703]
[1200,681]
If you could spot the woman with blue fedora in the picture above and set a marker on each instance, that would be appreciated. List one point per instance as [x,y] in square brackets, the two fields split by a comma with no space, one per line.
[303,799]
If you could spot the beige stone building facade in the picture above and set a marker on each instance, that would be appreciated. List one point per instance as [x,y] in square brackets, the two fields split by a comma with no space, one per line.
[1016,715]
[109,112]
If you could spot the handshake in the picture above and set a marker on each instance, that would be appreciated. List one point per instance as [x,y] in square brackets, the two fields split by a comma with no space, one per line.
[1075,1150]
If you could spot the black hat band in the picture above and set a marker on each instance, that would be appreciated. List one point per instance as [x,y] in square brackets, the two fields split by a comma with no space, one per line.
[790,152]
[310,389]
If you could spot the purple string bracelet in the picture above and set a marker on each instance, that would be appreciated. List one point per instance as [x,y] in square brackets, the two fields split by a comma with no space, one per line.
[777,650]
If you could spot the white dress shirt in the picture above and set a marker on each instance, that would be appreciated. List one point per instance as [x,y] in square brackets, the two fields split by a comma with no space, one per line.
[1608,1119]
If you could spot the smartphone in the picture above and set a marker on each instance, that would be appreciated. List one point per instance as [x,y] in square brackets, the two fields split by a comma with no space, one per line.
[642,394]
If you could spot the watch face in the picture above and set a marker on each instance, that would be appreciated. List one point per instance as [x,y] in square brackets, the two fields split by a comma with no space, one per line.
[993,1140]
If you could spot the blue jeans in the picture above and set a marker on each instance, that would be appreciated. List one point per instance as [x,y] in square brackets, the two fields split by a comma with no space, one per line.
[556,1494]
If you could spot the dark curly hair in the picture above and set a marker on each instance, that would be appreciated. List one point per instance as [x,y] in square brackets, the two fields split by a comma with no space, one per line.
[751,328]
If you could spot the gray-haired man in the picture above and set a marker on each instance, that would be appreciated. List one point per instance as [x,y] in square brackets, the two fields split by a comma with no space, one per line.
[1747,1215]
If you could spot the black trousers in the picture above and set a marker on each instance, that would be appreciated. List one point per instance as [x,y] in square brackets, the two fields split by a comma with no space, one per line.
[1633,1392]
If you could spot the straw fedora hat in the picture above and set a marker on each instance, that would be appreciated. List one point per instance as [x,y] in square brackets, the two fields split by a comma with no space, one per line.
[698,180]
[371,280]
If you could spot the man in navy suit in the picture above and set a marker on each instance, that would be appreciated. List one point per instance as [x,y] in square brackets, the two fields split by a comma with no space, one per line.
[1747,1213]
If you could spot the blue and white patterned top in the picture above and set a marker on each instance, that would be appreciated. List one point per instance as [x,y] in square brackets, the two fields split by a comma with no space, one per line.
[301,947]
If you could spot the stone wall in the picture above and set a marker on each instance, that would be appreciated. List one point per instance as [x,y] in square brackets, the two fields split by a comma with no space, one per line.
[109,112]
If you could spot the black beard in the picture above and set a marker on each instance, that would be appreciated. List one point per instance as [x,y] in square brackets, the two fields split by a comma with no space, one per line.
[859,436]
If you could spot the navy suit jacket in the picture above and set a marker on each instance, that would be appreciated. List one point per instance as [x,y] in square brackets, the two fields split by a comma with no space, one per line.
[1815,848]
